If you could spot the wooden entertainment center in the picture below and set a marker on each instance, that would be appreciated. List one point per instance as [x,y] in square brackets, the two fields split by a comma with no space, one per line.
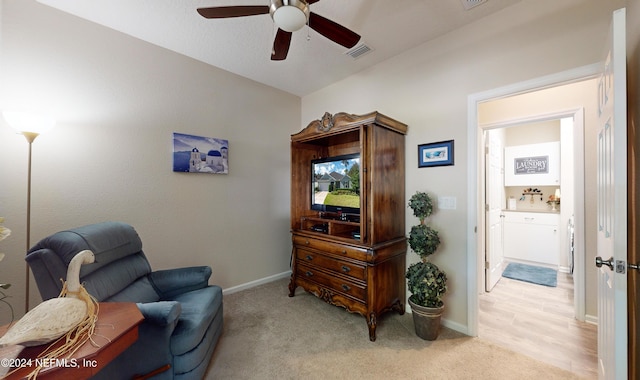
[356,261]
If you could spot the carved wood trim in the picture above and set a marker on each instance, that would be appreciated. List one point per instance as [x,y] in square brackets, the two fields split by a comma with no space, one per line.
[326,123]
[330,124]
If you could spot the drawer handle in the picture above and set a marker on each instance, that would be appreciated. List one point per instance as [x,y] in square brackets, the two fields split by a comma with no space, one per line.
[306,242]
[309,258]
[309,274]
[346,269]
[344,251]
[345,287]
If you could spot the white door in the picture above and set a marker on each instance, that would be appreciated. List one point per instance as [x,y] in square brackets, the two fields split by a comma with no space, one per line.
[494,255]
[612,207]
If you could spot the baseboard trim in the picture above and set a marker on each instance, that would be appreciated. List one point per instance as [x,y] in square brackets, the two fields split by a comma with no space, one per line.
[253,284]
[591,319]
[448,324]
[455,326]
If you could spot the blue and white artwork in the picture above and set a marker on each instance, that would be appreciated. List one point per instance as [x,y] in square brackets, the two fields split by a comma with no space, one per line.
[197,154]
[435,154]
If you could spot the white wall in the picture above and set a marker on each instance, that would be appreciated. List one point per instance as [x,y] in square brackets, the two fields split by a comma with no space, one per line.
[428,88]
[531,133]
[118,101]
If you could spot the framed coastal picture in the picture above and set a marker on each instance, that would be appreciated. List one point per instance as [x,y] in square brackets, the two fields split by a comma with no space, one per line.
[435,154]
[198,154]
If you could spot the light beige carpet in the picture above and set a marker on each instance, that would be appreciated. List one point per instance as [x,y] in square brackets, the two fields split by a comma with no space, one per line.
[268,335]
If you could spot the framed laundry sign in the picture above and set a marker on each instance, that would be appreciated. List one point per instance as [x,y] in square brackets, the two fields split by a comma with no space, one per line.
[532,164]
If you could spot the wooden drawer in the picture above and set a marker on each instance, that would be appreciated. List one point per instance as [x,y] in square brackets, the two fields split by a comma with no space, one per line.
[340,266]
[335,283]
[329,247]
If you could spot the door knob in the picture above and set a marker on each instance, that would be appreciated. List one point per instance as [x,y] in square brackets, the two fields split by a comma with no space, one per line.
[600,262]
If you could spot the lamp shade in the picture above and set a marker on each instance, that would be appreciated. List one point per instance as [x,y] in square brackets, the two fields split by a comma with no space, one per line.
[289,15]
[24,122]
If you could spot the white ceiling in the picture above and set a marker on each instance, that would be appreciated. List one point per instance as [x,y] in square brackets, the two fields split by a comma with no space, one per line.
[243,45]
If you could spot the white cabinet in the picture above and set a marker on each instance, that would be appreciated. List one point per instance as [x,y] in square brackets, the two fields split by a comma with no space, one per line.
[532,236]
[532,165]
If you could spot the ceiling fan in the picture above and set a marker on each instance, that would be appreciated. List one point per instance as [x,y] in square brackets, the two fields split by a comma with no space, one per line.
[289,16]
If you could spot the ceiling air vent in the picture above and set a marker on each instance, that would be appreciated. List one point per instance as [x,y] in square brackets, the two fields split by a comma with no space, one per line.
[359,50]
[468,4]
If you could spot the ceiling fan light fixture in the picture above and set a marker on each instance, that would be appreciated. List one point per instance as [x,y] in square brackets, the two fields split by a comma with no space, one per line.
[289,15]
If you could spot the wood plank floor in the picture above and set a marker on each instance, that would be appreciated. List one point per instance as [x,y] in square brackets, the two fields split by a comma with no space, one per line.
[538,321]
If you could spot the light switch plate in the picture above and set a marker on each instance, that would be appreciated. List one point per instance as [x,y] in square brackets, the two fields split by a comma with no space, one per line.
[447,203]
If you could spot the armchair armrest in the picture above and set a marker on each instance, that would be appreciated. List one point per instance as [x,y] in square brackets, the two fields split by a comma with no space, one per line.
[171,282]
[162,313]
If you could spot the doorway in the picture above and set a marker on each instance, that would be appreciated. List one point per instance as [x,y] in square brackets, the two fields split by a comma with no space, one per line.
[544,239]
[554,109]
[532,319]
[525,222]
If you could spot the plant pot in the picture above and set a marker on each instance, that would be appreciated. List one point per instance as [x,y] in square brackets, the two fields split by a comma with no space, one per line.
[426,320]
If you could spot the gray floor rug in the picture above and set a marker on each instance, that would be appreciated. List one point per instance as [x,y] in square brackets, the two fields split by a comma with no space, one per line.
[532,274]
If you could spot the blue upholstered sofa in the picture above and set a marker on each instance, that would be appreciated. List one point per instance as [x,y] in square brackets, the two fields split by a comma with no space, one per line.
[183,313]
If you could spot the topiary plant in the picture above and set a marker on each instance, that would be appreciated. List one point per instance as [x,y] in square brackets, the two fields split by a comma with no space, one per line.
[427,283]
[421,205]
[423,240]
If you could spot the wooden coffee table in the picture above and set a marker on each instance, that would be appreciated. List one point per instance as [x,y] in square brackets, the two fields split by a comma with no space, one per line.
[116,330]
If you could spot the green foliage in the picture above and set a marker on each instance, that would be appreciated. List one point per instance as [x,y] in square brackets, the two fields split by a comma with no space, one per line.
[344,192]
[354,174]
[421,204]
[423,240]
[427,284]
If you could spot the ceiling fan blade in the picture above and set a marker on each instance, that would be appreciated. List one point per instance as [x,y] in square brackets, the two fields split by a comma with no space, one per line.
[281,45]
[233,11]
[333,31]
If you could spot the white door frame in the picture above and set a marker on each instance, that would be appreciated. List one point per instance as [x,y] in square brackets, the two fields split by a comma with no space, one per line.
[476,196]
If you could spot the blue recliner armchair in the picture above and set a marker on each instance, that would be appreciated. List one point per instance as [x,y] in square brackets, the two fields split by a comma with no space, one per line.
[183,313]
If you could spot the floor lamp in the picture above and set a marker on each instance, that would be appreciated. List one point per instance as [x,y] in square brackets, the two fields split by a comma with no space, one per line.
[31,126]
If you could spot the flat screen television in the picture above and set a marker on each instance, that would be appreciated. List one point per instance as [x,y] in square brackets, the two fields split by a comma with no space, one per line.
[335,184]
